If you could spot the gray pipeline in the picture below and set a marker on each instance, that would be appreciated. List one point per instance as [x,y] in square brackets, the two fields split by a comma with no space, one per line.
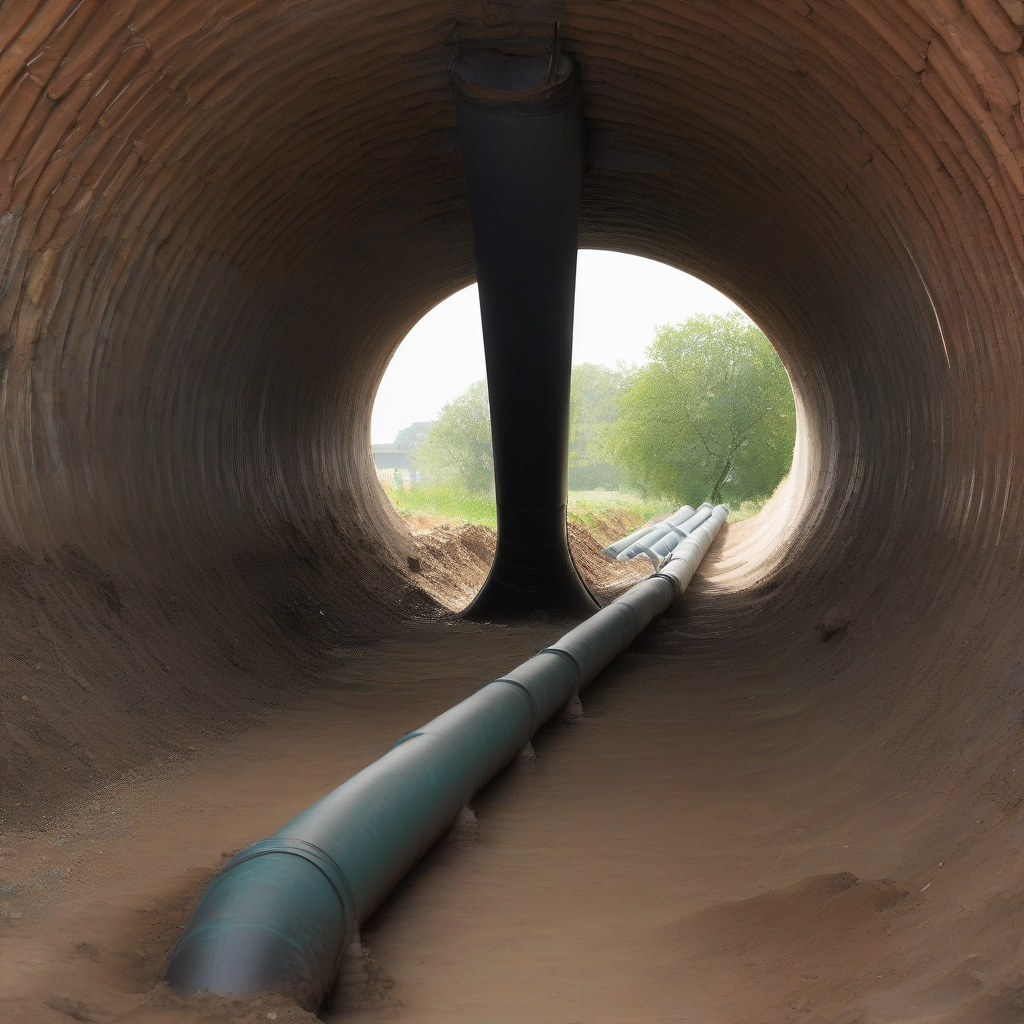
[614,550]
[668,529]
[280,914]
[677,532]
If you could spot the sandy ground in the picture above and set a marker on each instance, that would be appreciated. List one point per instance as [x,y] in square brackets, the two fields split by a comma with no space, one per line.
[742,829]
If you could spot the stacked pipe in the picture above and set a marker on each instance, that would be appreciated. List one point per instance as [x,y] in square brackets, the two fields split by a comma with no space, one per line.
[282,912]
[616,549]
[658,540]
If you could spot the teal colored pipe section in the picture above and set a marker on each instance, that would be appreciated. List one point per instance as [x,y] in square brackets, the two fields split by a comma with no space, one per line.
[281,913]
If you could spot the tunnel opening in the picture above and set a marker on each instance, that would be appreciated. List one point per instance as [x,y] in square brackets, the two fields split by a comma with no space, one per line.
[431,429]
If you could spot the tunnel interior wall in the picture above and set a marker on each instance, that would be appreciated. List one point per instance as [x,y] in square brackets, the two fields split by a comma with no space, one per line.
[221,219]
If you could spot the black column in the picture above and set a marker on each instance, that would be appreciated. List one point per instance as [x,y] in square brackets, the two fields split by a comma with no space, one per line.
[521,132]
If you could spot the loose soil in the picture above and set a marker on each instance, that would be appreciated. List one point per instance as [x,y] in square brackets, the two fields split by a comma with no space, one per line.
[744,827]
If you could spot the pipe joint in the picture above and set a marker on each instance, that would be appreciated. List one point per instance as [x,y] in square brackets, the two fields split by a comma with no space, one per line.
[577,675]
[534,710]
[677,590]
[320,859]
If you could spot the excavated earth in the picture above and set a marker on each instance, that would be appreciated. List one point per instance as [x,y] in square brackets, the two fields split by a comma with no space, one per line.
[799,797]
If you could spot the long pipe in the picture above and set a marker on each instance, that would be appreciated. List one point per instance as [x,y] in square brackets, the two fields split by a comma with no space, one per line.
[663,529]
[620,545]
[677,533]
[281,913]
[520,120]
[659,531]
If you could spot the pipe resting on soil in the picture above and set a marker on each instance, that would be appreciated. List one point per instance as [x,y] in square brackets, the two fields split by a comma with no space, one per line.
[282,912]
[623,549]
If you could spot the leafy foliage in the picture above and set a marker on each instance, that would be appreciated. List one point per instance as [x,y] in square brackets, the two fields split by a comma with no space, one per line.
[593,408]
[709,416]
[448,499]
[458,445]
[411,437]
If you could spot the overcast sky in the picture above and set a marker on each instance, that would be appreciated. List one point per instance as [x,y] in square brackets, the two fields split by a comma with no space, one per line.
[620,300]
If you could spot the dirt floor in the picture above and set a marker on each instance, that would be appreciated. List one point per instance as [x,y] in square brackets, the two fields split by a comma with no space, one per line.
[744,828]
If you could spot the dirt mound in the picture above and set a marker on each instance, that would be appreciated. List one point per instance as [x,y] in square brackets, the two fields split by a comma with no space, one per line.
[452,561]
[605,577]
[610,525]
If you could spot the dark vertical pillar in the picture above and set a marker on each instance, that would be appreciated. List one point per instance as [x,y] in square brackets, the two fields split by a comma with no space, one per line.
[521,132]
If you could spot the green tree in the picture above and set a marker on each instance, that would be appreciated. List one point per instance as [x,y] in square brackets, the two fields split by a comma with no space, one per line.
[593,408]
[710,416]
[457,447]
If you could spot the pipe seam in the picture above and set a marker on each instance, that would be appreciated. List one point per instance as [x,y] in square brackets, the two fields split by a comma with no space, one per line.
[535,716]
[677,590]
[577,672]
[319,858]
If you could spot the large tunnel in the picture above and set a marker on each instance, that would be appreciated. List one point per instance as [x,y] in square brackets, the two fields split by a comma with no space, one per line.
[219,221]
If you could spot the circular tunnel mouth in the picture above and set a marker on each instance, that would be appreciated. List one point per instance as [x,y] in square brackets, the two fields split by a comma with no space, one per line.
[451,568]
[253,439]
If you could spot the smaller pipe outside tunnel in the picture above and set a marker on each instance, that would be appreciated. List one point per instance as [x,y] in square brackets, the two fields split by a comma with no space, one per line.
[657,541]
[614,550]
[281,913]
[677,532]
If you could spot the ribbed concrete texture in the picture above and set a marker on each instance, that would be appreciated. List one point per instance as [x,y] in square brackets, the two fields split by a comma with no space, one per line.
[221,217]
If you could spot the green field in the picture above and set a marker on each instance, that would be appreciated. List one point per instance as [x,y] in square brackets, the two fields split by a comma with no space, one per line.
[589,508]
[747,509]
[444,500]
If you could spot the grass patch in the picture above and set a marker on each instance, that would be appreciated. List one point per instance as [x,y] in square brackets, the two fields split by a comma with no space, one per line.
[596,510]
[442,499]
[747,509]
[589,508]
